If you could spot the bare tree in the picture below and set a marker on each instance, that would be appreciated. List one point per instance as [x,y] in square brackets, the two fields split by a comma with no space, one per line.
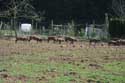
[118,7]
[22,9]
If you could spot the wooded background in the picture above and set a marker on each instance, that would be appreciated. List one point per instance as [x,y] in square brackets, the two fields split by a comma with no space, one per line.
[65,10]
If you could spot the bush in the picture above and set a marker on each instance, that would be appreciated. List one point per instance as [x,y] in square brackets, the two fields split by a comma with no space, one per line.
[116,28]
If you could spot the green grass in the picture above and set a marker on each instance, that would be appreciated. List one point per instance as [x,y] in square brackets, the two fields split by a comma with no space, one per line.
[1,80]
[7,32]
[17,66]
[118,66]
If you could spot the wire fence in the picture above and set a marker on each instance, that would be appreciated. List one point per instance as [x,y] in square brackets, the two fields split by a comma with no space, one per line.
[95,31]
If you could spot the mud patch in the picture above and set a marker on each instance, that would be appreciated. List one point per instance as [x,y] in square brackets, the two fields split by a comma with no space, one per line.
[67,58]
[95,66]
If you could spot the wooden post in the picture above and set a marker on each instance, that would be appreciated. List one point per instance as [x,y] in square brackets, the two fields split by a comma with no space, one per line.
[107,24]
[52,26]
[40,30]
[32,24]
[1,23]
[36,25]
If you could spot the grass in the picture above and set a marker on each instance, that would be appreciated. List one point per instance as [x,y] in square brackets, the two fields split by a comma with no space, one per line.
[7,32]
[117,66]
[48,63]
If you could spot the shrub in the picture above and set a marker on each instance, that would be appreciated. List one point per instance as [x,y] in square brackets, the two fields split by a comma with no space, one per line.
[117,28]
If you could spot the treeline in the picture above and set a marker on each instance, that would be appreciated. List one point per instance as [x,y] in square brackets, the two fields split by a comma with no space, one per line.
[78,10]
[65,10]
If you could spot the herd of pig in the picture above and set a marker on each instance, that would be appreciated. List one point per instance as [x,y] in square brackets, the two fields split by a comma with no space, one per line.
[55,39]
[71,40]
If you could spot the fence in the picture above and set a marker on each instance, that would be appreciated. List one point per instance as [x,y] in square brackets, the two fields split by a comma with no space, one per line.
[6,29]
[69,29]
[96,31]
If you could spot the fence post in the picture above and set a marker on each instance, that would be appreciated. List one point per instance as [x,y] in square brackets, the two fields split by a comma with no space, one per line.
[32,25]
[107,24]
[52,26]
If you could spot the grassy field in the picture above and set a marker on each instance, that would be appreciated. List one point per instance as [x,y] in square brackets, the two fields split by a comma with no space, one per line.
[25,62]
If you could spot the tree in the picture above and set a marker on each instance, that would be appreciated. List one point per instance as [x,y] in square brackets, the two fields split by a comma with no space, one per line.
[118,7]
[18,8]
[21,9]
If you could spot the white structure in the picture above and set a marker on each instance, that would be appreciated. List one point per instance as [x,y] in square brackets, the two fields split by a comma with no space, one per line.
[26,27]
[88,30]
[96,31]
